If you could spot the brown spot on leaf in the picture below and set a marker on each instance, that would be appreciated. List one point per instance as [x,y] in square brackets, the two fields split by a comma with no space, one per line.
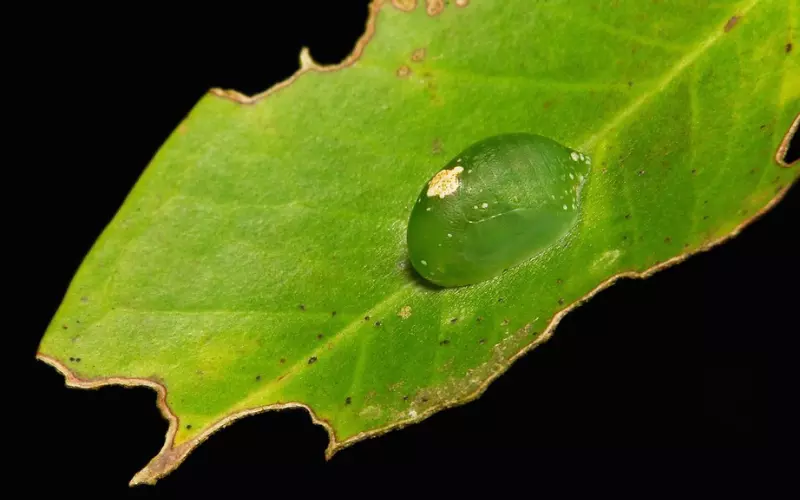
[312,360]
[319,335]
[418,55]
[405,5]
[403,71]
[435,7]
[731,23]
[560,302]
[283,360]
[188,426]
[348,400]
[788,47]
[444,342]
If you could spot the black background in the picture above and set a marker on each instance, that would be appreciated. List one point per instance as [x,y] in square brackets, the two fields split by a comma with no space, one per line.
[693,365]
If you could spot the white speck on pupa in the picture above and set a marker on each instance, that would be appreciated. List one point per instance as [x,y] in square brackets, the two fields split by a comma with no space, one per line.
[445,182]
[553,196]
[424,263]
[582,157]
[580,177]
[449,235]
[573,206]
[565,207]
[469,171]
[475,207]
[458,160]
[588,161]
[412,413]
[485,205]
[428,209]
[571,176]
[574,156]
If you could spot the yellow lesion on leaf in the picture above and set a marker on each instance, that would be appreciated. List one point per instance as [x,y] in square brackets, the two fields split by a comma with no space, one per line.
[445,182]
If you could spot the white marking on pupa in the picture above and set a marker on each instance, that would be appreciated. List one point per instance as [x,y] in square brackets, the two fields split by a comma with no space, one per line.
[485,205]
[572,177]
[428,209]
[565,207]
[574,156]
[588,161]
[445,182]
[449,235]
[582,157]
[424,263]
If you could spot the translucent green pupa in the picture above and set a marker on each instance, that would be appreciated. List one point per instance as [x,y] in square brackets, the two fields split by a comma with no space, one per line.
[501,201]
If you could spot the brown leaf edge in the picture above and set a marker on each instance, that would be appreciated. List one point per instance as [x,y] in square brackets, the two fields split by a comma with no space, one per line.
[169,457]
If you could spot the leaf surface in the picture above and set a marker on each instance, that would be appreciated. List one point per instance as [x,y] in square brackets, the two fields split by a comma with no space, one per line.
[259,262]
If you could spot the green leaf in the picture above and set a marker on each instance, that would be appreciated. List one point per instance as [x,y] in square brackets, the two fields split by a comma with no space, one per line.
[259,262]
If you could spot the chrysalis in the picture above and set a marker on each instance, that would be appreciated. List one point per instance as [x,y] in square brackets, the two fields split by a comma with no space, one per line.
[499,202]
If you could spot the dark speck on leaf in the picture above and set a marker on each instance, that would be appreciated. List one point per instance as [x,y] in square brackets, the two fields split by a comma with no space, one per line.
[366,318]
[479,319]
[77,360]
[482,341]
[667,240]
[72,359]
[319,335]
[378,323]
[788,47]
[559,281]
[64,327]
[84,299]
[312,360]
[405,398]
[705,217]
[630,84]
[694,171]
[641,172]
[302,307]
[561,302]
[258,377]
[188,426]
[453,320]
[731,23]
[501,299]
[627,216]
[283,360]
[333,313]
[444,342]
[348,400]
